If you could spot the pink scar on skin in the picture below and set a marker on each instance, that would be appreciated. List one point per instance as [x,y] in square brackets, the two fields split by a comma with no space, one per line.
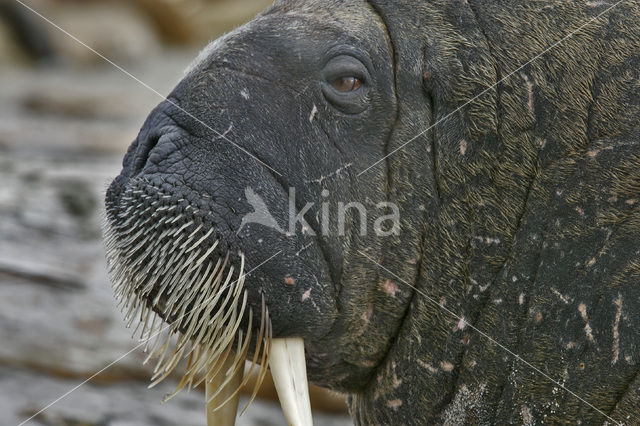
[446,366]
[428,366]
[306,295]
[461,325]
[582,308]
[389,287]
[366,315]
[463,147]
[616,332]
[394,404]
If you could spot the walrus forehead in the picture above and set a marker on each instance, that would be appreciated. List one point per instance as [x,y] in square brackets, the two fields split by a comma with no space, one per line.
[334,21]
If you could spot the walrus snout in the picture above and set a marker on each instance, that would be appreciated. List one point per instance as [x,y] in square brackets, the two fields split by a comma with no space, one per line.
[206,176]
[175,253]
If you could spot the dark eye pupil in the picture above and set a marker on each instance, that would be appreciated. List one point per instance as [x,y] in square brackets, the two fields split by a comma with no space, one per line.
[347,84]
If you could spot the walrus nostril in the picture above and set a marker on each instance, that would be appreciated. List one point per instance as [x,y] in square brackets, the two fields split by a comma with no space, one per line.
[143,150]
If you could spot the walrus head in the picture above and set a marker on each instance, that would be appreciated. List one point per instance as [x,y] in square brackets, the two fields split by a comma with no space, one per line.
[280,112]
[252,213]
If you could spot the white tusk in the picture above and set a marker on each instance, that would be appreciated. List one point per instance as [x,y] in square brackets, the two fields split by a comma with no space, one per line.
[225,415]
[289,371]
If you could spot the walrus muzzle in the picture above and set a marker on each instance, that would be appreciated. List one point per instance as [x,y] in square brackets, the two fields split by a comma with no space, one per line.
[160,260]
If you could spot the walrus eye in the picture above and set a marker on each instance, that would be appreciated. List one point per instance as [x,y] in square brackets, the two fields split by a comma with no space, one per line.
[347,84]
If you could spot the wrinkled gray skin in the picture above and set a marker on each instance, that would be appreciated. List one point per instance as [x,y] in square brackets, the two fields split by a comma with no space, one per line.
[516,210]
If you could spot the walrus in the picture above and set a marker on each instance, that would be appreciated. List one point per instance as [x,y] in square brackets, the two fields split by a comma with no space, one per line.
[507,136]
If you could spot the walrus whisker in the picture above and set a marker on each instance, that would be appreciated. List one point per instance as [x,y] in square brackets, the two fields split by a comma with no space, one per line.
[161,341]
[163,369]
[210,297]
[206,254]
[151,332]
[131,313]
[181,311]
[231,372]
[220,337]
[163,268]
[226,414]
[187,282]
[188,264]
[159,352]
[190,373]
[235,321]
[266,353]
[138,247]
[194,288]
[144,311]
[201,240]
[213,294]
[192,235]
[214,363]
[261,336]
[175,219]
[167,288]
[187,378]
[211,361]
[150,314]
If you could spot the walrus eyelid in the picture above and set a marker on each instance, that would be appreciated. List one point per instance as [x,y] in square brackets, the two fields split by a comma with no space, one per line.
[345,66]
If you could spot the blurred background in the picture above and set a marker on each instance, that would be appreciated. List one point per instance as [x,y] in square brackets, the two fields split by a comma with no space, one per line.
[66,119]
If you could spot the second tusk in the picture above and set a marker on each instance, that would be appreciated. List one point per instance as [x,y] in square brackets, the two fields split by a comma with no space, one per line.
[224,415]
